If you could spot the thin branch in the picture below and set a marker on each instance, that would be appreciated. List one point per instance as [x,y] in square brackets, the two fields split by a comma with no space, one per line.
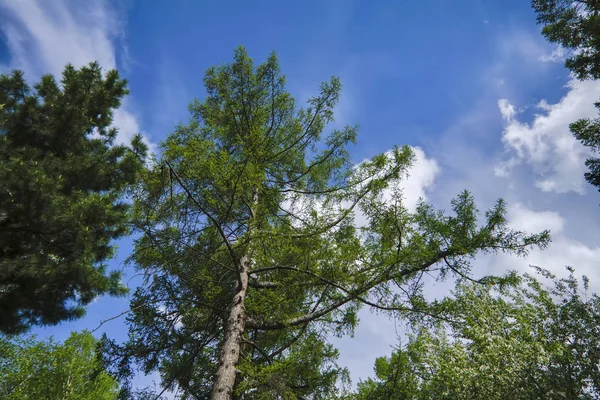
[456,271]
[344,215]
[237,180]
[359,298]
[259,349]
[268,134]
[302,329]
[352,295]
[306,131]
[211,218]
[116,316]
[311,166]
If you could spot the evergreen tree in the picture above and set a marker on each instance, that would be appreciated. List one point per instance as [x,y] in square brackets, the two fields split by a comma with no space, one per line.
[61,180]
[251,251]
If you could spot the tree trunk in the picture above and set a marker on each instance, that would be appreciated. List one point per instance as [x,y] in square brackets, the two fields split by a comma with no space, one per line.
[235,326]
[234,329]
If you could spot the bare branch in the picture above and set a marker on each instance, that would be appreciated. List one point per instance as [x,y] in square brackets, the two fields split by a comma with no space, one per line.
[115,317]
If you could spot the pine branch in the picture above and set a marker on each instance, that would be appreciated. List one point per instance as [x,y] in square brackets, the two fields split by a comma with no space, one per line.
[211,218]
[352,296]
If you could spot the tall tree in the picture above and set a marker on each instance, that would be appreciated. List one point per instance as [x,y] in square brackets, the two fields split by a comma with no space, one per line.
[575,25]
[30,369]
[517,341]
[250,246]
[61,180]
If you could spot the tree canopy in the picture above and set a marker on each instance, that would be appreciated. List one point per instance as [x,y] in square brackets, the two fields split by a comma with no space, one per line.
[30,369]
[61,183]
[253,248]
[517,341]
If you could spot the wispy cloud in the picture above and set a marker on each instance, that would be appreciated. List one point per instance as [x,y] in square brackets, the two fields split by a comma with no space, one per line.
[520,43]
[558,54]
[44,36]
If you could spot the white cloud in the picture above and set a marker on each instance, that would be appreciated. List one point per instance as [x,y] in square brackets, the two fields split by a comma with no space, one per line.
[567,251]
[58,34]
[468,162]
[563,251]
[507,110]
[546,143]
[421,178]
[524,219]
[44,36]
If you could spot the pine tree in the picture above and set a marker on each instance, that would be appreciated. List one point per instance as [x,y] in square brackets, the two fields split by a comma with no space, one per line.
[61,181]
[251,250]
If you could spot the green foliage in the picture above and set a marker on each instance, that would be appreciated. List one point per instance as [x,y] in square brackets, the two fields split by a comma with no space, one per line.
[48,370]
[253,177]
[573,25]
[512,342]
[576,25]
[61,178]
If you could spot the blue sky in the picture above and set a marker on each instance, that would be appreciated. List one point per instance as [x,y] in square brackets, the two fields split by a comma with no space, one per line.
[473,86]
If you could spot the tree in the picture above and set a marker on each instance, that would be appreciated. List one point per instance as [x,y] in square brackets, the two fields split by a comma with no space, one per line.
[575,25]
[512,342]
[61,181]
[249,244]
[48,370]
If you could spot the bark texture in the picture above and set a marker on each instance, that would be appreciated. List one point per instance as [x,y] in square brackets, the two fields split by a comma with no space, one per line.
[234,329]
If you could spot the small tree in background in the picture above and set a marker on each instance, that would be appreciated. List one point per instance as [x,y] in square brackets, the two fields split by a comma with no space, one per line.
[48,370]
[519,341]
